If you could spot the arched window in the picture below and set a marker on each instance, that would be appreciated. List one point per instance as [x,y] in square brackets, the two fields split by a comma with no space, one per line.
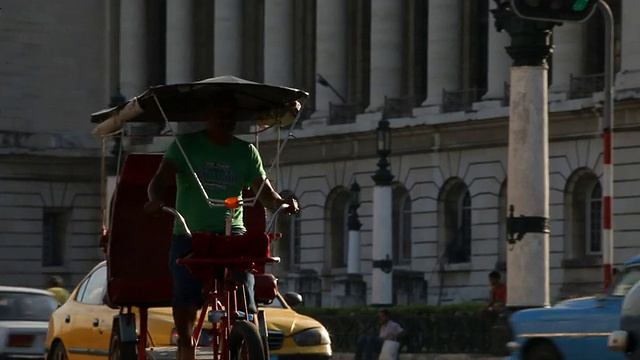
[289,247]
[594,224]
[583,218]
[455,224]
[401,224]
[337,234]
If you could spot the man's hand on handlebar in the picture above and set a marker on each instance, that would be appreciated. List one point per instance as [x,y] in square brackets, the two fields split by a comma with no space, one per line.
[291,206]
[153,207]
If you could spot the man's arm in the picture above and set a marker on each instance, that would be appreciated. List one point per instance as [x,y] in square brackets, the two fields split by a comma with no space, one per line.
[270,198]
[157,188]
[492,297]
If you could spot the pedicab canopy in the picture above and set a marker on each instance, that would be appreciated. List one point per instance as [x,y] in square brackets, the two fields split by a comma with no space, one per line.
[264,104]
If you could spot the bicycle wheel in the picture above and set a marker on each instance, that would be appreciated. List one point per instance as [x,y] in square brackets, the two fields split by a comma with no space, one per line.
[245,342]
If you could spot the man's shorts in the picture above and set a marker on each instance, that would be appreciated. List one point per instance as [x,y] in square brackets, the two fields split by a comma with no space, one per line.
[188,289]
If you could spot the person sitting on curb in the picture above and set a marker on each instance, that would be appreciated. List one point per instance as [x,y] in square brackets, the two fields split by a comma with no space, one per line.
[368,345]
[497,297]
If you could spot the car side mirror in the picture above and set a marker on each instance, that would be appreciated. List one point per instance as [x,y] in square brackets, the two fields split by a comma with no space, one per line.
[293,298]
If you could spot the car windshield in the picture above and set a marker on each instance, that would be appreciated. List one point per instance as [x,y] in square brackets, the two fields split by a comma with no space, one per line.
[22,306]
[276,303]
[627,279]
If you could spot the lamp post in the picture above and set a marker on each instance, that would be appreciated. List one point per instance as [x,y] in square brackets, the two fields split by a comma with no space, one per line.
[353,264]
[382,280]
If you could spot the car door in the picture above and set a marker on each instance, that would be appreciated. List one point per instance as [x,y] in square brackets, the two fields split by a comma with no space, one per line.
[90,322]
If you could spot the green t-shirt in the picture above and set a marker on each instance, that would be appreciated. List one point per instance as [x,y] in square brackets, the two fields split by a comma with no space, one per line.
[222,170]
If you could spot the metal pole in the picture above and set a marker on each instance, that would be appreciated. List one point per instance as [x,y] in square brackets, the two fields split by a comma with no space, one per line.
[607,135]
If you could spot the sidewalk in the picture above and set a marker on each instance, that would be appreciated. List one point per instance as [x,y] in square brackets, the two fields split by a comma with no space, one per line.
[349,356]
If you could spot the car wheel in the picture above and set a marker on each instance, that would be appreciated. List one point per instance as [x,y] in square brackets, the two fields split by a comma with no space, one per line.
[59,352]
[542,351]
[119,350]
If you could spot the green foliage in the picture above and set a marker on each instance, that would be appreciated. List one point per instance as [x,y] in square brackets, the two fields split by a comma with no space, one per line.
[468,308]
[436,329]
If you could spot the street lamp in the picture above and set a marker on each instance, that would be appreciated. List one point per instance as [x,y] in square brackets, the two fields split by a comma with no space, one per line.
[382,248]
[354,225]
[322,81]
[383,176]
[354,197]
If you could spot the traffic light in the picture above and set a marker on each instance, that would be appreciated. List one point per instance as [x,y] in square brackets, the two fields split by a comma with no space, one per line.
[554,10]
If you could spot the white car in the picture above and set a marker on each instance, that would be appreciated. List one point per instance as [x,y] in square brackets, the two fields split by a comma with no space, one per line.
[24,320]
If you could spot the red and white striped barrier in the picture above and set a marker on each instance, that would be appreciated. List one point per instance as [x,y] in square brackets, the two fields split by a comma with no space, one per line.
[607,205]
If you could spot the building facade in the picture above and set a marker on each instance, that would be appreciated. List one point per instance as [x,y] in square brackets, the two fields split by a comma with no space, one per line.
[437,70]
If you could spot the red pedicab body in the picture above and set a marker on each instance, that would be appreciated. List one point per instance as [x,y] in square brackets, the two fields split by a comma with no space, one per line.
[138,258]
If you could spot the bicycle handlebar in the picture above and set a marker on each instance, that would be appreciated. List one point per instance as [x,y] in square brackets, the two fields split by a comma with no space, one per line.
[274,216]
[183,222]
[178,216]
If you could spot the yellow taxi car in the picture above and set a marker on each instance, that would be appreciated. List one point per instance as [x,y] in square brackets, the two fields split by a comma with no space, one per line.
[81,328]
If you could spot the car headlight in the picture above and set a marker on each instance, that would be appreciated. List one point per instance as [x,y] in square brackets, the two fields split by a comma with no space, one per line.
[311,337]
[618,341]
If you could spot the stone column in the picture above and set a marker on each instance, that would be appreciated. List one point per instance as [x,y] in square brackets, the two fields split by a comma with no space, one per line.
[629,76]
[443,54]
[528,185]
[278,42]
[133,48]
[228,26]
[567,54]
[499,63]
[180,41]
[528,163]
[331,53]
[387,47]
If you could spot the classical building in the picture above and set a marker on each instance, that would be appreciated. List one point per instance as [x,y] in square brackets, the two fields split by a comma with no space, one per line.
[437,70]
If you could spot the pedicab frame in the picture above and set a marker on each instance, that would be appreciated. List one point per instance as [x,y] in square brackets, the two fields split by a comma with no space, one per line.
[133,235]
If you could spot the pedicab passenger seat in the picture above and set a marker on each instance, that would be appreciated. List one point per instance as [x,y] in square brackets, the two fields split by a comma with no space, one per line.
[138,248]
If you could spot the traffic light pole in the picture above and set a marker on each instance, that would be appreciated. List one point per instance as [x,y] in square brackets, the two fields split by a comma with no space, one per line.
[528,164]
[607,136]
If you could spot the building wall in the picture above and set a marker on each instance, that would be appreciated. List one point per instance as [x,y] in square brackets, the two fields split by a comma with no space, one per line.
[53,74]
[64,60]
[476,152]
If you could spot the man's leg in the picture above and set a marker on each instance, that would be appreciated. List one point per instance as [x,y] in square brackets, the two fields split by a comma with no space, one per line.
[373,345]
[187,298]
[360,345]
[184,319]
[376,345]
[249,282]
